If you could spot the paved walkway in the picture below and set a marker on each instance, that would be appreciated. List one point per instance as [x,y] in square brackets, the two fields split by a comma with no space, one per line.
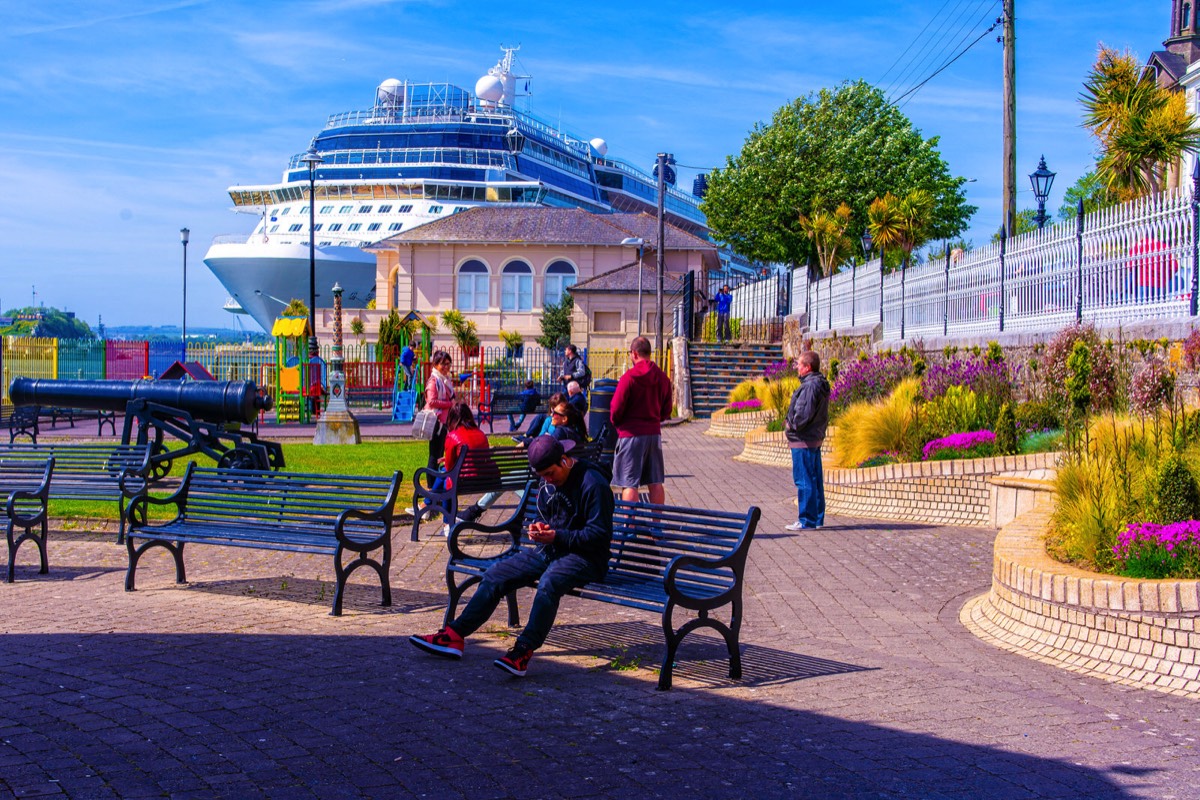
[860,682]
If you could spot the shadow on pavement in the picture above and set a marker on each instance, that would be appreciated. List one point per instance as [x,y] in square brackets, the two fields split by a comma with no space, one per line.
[360,598]
[240,715]
[701,657]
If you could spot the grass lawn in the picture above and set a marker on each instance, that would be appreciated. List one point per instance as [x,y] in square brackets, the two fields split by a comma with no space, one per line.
[369,458]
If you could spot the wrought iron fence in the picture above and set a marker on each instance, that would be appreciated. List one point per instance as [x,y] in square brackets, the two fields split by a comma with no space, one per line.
[1130,262]
[756,313]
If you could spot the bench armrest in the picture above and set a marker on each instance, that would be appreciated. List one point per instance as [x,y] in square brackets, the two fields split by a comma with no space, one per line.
[734,561]
[23,494]
[513,526]
[420,490]
[135,512]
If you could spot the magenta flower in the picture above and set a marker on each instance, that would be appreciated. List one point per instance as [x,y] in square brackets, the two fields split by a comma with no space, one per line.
[960,442]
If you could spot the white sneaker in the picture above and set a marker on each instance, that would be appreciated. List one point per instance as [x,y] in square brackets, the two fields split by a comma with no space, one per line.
[795,526]
[446,531]
[412,512]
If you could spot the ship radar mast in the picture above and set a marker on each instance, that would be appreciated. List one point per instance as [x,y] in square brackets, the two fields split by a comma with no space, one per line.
[498,89]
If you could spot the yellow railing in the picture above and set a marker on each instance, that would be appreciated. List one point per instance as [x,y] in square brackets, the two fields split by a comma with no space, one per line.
[616,362]
[28,357]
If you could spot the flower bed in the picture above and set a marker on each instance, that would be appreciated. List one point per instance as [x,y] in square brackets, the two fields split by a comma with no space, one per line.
[976,444]
[1136,632]
[1146,550]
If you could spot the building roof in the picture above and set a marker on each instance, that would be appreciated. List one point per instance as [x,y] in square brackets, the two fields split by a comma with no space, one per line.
[542,225]
[1173,64]
[624,280]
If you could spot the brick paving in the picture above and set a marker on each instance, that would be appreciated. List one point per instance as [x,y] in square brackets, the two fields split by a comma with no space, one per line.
[860,681]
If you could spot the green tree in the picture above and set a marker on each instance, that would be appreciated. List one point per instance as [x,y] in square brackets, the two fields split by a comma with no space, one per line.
[846,143]
[296,308]
[556,323]
[1142,128]
[1024,224]
[1092,191]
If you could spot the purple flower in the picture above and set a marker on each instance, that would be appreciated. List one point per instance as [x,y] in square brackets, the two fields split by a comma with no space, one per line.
[984,377]
[1139,536]
[958,441]
[869,378]
[753,404]
[779,369]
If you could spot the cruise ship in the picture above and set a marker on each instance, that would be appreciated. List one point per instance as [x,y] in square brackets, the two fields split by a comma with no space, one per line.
[421,152]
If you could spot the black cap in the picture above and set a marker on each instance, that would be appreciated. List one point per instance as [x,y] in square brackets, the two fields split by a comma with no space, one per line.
[545,451]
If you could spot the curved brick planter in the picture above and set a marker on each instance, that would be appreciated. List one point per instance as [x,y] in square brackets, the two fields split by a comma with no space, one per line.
[1137,632]
[766,448]
[958,492]
[736,426]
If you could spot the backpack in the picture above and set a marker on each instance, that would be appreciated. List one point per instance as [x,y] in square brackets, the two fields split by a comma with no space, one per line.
[586,380]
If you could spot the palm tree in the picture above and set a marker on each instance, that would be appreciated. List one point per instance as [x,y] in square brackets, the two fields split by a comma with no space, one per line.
[901,221]
[1142,128]
[827,229]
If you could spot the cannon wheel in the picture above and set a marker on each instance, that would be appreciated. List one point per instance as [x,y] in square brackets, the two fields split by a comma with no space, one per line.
[238,458]
[159,468]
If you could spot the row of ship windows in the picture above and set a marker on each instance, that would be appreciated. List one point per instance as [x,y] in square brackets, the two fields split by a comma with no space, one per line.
[384,209]
[354,226]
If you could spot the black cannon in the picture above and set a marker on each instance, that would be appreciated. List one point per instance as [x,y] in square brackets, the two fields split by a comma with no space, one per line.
[206,415]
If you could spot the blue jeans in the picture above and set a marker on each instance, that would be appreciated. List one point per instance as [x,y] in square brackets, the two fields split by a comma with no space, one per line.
[810,486]
[555,578]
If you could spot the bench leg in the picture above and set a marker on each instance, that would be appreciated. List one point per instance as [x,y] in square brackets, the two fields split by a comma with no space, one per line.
[135,553]
[456,591]
[514,616]
[14,544]
[342,572]
[728,632]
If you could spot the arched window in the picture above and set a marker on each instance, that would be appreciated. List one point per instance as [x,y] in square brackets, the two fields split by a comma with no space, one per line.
[516,287]
[472,286]
[1187,17]
[559,275]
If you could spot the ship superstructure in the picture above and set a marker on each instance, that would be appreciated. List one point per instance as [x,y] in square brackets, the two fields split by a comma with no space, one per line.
[423,151]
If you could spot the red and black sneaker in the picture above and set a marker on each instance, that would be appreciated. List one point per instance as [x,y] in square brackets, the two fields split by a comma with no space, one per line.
[516,660]
[446,643]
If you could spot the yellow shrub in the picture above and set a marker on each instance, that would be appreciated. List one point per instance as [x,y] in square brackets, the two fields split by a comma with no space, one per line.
[746,390]
[868,429]
[777,395]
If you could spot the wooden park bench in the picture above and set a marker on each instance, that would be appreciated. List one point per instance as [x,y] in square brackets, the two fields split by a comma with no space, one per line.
[663,558]
[496,469]
[115,472]
[25,489]
[326,514]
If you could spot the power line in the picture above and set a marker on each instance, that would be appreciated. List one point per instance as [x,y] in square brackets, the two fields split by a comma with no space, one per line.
[914,65]
[966,28]
[916,39]
[940,69]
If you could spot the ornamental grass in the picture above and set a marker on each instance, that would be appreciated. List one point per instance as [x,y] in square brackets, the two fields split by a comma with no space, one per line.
[890,425]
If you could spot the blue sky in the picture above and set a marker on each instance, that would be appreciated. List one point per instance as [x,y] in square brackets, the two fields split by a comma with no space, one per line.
[123,123]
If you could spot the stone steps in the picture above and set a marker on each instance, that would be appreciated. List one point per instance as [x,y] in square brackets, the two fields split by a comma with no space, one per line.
[716,369]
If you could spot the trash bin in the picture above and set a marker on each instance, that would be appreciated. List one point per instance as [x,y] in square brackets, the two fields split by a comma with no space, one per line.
[600,404]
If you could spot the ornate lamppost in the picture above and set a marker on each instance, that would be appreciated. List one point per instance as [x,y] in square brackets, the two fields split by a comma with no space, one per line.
[184,233]
[1042,179]
[312,159]
[337,425]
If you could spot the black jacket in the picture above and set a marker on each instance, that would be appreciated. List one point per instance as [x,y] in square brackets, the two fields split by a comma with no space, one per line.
[581,514]
[808,413]
[576,370]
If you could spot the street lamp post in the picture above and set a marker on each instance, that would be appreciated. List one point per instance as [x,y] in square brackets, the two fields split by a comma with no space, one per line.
[312,159]
[867,243]
[183,237]
[641,244]
[1042,179]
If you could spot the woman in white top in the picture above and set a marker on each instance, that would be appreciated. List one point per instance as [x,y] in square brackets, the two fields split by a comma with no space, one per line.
[439,395]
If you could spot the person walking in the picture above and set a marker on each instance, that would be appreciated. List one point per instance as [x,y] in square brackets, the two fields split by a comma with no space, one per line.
[724,305]
[573,529]
[574,368]
[807,420]
[640,403]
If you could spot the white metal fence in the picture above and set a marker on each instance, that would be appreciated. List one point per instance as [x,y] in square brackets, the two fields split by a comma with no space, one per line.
[1126,263]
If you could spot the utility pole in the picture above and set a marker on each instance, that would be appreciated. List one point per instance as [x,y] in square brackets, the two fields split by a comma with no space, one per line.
[664,159]
[1010,118]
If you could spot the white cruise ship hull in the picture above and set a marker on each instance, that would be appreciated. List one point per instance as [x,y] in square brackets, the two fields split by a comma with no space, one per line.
[263,276]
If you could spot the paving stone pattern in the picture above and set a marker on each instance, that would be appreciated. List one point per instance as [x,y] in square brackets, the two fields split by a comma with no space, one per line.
[860,681]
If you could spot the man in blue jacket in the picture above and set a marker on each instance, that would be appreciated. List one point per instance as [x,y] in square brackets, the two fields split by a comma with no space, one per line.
[574,534]
[724,304]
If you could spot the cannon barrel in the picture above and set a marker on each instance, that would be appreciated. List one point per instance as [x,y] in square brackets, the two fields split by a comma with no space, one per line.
[213,401]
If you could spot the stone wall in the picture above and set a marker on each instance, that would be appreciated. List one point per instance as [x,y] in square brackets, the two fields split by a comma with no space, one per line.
[736,426]
[1138,632]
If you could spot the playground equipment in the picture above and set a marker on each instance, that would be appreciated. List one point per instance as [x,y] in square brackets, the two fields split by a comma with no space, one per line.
[206,415]
[299,378]
[407,387]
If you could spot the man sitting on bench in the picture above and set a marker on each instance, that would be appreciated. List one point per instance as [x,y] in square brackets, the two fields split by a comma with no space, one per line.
[574,530]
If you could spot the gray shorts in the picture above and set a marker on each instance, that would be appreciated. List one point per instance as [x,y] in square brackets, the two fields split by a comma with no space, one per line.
[638,462]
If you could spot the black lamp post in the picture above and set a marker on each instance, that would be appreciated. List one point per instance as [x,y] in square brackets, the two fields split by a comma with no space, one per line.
[1042,179]
[312,159]
[183,237]
[868,243]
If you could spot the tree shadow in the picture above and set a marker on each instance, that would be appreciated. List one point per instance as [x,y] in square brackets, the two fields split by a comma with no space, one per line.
[360,598]
[240,715]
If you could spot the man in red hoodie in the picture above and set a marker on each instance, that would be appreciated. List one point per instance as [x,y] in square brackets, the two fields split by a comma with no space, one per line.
[639,405]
